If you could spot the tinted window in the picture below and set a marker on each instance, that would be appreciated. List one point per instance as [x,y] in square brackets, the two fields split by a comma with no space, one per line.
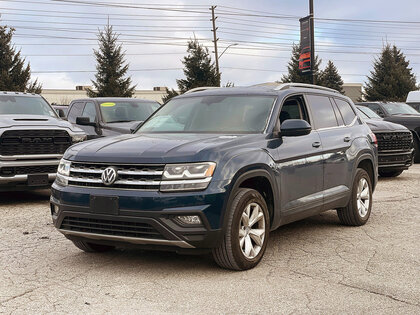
[323,112]
[212,114]
[129,110]
[90,111]
[367,112]
[377,109]
[346,111]
[25,105]
[293,108]
[75,111]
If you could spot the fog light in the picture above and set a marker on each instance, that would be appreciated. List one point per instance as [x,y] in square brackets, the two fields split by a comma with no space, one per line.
[189,219]
[54,209]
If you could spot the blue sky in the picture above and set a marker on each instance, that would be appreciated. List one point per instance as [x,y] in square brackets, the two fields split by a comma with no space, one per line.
[60,37]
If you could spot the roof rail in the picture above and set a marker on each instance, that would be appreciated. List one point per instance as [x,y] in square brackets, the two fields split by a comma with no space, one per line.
[201,88]
[285,86]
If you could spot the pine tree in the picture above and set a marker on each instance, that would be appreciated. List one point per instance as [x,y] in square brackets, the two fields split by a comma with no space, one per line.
[14,75]
[170,94]
[198,68]
[294,74]
[391,78]
[331,78]
[111,68]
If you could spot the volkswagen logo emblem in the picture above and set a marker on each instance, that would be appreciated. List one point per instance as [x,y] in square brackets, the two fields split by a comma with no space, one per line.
[109,176]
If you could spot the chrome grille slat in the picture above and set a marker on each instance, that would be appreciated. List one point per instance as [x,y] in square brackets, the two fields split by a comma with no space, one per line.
[133,176]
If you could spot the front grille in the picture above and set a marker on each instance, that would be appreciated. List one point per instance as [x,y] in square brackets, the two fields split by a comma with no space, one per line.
[32,142]
[110,227]
[22,170]
[145,176]
[394,141]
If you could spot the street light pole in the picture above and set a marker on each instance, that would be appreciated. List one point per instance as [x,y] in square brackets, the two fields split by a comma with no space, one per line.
[234,44]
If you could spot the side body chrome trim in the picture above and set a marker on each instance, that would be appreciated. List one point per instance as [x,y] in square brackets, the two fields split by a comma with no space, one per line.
[132,240]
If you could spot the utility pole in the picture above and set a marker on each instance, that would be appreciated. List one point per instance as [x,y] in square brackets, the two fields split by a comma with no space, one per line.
[311,21]
[215,39]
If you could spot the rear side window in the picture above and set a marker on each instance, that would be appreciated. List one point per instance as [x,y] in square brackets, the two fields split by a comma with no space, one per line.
[76,110]
[346,111]
[323,112]
[90,111]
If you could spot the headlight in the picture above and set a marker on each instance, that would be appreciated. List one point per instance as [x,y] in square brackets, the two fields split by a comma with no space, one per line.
[77,137]
[64,167]
[195,176]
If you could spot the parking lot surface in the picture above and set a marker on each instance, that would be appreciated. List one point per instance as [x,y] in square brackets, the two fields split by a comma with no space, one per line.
[311,266]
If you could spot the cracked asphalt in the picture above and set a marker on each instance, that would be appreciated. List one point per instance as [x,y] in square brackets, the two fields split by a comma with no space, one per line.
[311,266]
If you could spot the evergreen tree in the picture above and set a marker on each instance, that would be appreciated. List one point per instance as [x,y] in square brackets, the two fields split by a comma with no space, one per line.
[391,78]
[170,94]
[331,78]
[14,75]
[294,74]
[198,68]
[111,68]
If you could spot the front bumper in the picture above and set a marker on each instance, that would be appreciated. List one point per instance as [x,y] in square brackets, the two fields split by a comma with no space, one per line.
[396,160]
[142,218]
[14,175]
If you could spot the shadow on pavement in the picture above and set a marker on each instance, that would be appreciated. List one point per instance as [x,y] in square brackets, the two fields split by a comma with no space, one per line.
[14,197]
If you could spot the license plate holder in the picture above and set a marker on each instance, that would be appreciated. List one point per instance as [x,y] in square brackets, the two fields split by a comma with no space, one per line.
[38,180]
[104,204]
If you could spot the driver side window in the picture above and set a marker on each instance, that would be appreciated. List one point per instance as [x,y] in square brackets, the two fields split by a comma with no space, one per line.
[293,108]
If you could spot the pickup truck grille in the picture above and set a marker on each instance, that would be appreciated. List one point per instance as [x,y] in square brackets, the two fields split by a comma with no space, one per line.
[33,142]
[394,141]
[22,170]
[110,227]
[145,176]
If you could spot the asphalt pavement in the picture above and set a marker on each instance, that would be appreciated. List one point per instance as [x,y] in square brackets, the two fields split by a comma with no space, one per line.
[311,266]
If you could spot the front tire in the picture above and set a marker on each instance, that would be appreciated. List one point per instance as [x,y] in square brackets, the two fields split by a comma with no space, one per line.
[92,247]
[390,173]
[246,233]
[358,209]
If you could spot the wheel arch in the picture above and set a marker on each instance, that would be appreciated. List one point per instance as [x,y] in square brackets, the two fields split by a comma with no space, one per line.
[366,162]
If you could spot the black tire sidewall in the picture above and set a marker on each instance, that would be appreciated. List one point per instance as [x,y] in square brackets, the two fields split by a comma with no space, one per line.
[239,203]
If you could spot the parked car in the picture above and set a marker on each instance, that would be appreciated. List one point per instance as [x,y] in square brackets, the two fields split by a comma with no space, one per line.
[217,170]
[32,141]
[109,116]
[395,143]
[61,110]
[413,99]
[400,113]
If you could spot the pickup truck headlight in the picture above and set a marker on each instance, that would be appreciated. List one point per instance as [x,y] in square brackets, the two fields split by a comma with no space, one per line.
[77,137]
[194,176]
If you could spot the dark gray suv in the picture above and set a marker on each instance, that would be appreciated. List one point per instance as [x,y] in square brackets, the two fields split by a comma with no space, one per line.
[218,170]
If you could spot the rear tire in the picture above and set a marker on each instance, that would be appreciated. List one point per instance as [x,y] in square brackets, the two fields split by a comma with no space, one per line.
[246,232]
[389,173]
[358,209]
[92,247]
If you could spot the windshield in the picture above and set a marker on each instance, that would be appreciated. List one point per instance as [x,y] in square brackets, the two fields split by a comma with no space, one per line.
[399,108]
[212,114]
[24,105]
[368,113]
[122,111]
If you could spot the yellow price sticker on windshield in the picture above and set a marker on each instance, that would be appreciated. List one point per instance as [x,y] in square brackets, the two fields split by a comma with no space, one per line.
[108,104]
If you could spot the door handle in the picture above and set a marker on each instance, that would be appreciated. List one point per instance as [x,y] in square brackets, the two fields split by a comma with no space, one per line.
[316,144]
[347,139]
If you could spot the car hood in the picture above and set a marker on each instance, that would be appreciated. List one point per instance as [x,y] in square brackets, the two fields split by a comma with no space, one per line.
[155,148]
[412,122]
[382,126]
[122,127]
[36,121]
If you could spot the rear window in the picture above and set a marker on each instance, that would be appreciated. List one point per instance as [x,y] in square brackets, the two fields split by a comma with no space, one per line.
[323,112]
[346,111]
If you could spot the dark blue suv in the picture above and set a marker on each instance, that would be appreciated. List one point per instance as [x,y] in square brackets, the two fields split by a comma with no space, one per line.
[217,170]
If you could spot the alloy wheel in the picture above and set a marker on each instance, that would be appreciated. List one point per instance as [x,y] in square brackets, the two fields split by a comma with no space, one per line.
[252,230]
[363,197]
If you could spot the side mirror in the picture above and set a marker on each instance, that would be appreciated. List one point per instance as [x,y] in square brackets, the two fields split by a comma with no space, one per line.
[85,121]
[295,128]
[61,113]
[136,126]
[380,114]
